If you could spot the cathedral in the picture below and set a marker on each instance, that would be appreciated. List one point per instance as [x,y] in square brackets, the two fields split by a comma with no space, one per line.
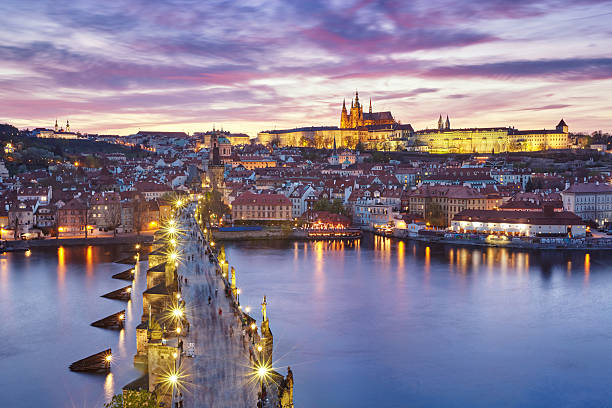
[356,118]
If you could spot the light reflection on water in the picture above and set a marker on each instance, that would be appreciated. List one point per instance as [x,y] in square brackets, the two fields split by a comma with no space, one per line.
[395,324]
[48,301]
[372,323]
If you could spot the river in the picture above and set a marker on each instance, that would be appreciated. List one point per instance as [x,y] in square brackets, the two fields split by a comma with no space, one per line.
[386,323]
[381,323]
[48,299]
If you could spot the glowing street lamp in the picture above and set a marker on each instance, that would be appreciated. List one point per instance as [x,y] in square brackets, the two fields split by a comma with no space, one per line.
[177,312]
[262,371]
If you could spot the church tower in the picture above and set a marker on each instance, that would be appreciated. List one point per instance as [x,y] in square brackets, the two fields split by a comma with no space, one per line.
[56,127]
[562,127]
[67,126]
[447,124]
[370,105]
[440,123]
[344,120]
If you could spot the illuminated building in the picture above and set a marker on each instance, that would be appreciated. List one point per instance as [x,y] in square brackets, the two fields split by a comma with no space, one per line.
[441,203]
[375,130]
[519,223]
[56,133]
[263,207]
[356,118]
[489,140]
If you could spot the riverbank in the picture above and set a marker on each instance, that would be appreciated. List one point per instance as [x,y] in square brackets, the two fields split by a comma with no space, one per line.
[531,244]
[66,242]
[280,234]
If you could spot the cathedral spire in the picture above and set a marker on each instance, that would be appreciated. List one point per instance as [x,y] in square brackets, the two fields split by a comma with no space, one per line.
[334,145]
[447,124]
[56,126]
[67,126]
[440,123]
[357,98]
[370,105]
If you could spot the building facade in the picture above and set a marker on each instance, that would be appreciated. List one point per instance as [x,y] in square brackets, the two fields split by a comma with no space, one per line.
[261,207]
[444,139]
[589,201]
[519,223]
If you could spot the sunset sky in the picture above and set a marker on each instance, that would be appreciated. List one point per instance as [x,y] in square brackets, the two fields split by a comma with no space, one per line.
[120,66]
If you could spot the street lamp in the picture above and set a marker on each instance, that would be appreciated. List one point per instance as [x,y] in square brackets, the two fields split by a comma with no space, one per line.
[262,371]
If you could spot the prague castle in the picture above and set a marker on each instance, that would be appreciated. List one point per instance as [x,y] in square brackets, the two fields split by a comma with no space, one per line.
[379,130]
[374,130]
[488,140]
[357,118]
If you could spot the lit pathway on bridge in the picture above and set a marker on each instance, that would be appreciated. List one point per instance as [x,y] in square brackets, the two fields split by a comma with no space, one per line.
[219,374]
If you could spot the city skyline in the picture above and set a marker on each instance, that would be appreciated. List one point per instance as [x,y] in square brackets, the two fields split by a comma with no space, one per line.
[177,65]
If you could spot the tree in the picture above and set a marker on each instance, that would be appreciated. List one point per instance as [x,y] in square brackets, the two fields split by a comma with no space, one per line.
[140,210]
[435,215]
[334,206]
[87,203]
[133,399]
[114,216]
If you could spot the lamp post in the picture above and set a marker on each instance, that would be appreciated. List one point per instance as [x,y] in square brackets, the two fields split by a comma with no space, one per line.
[262,373]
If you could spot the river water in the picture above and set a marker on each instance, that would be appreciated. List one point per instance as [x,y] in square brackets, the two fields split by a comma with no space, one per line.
[380,323]
[48,299]
[395,324]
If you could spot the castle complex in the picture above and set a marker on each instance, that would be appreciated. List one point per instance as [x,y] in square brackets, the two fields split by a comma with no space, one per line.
[357,118]
[488,140]
[379,130]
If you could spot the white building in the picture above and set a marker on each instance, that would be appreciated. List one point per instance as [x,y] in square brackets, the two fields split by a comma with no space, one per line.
[519,223]
[299,199]
[589,201]
[505,177]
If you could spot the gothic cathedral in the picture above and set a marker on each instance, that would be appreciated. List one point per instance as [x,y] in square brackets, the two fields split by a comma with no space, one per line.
[357,118]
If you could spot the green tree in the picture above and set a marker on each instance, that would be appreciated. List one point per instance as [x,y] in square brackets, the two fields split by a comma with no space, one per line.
[434,215]
[133,399]
[334,206]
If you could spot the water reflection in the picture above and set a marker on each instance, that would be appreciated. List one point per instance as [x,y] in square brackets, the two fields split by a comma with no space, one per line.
[61,266]
[587,267]
[385,313]
[57,295]
[89,261]
[109,386]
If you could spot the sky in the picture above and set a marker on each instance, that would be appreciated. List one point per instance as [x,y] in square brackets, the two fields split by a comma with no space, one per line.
[116,67]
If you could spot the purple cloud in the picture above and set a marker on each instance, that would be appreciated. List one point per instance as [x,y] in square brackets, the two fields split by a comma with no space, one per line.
[571,69]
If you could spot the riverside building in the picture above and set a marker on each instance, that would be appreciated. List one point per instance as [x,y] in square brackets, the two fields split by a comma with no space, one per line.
[589,201]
